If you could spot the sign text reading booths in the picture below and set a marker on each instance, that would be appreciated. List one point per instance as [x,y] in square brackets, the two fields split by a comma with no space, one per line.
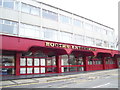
[68,46]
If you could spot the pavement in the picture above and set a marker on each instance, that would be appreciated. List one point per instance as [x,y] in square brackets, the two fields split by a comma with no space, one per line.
[88,75]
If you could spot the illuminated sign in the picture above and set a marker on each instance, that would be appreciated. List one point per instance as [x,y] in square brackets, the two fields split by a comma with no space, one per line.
[68,46]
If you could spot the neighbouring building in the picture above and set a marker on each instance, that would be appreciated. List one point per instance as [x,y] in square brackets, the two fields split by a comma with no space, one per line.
[38,38]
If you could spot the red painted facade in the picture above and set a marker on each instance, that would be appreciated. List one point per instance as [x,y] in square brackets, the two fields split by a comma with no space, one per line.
[20,44]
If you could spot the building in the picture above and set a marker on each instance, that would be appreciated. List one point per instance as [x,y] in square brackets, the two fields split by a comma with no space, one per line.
[38,38]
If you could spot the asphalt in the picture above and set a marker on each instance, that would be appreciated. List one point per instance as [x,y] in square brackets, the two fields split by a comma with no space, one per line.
[54,77]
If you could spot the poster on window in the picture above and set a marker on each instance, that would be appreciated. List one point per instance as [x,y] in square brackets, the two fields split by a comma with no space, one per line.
[29,61]
[22,62]
[42,62]
[36,62]
[22,70]
[42,69]
[29,70]
[36,70]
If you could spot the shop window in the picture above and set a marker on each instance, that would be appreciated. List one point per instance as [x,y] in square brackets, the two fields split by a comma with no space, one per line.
[65,69]
[80,68]
[64,60]
[42,69]
[80,61]
[29,61]
[22,61]
[65,19]
[36,61]
[49,15]
[37,70]
[8,61]
[72,60]
[8,71]
[42,60]
[29,70]
[73,69]
[22,70]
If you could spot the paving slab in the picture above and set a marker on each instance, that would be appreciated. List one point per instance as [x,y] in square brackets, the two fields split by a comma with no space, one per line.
[3,83]
[24,81]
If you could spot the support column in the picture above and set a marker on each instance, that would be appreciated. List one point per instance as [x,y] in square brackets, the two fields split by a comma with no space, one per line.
[103,59]
[85,59]
[17,64]
[58,63]
[116,62]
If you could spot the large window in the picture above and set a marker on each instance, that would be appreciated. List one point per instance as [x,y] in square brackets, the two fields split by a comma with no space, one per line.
[77,23]
[90,41]
[7,63]
[50,15]
[7,26]
[66,37]
[50,34]
[98,42]
[65,19]
[79,39]
[88,26]
[29,30]
[8,3]
[30,9]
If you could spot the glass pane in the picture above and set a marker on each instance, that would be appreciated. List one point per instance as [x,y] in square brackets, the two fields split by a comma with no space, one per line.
[8,61]
[42,69]
[36,70]
[8,71]
[29,70]
[80,68]
[73,69]
[7,22]
[8,4]
[65,69]
[50,15]
[29,61]
[25,8]
[49,63]
[35,11]
[64,60]
[17,7]
[42,62]
[36,61]
[22,70]
[22,61]
[7,29]
[0,2]
[1,28]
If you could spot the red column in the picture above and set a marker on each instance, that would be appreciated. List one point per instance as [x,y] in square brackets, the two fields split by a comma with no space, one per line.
[103,59]
[17,63]
[85,59]
[58,63]
[116,62]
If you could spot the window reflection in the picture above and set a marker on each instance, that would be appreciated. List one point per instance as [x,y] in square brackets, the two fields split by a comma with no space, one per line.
[8,60]
[8,4]
[7,26]
[50,15]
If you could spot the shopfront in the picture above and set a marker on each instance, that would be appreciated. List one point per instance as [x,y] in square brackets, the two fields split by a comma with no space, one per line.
[43,57]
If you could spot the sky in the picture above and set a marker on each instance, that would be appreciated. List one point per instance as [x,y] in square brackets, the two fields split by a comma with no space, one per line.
[102,11]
